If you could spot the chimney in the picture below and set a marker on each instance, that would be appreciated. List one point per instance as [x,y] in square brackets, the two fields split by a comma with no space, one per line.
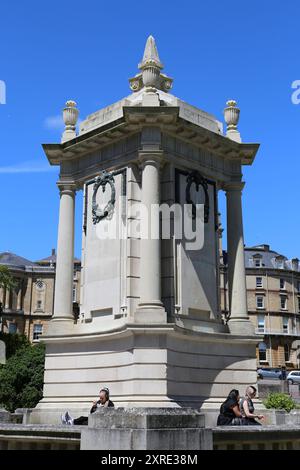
[53,252]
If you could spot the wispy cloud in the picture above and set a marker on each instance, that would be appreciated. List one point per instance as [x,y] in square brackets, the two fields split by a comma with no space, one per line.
[31,166]
[54,123]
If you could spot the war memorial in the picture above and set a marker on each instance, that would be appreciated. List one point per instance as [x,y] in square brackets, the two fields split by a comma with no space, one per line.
[150,328]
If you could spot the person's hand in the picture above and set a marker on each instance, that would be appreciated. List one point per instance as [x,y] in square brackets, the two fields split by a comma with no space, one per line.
[260,417]
[94,402]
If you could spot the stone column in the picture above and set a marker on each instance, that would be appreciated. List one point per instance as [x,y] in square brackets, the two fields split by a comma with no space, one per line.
[239,322]
[7,297]
[150,308]
[63,302]
[19,298]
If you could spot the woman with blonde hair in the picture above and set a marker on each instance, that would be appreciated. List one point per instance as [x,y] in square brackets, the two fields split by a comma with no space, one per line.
[247,407]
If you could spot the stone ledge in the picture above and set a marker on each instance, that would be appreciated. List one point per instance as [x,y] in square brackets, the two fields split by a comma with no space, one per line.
[147,418]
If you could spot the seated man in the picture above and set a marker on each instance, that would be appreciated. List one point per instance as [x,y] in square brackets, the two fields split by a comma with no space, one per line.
[103,402]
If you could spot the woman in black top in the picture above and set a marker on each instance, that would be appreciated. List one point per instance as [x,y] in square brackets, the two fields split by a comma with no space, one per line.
[230,411]
[103,402]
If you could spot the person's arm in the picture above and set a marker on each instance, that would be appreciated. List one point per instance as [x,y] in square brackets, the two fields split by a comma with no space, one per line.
[247,412]
[94,407]
[236,410]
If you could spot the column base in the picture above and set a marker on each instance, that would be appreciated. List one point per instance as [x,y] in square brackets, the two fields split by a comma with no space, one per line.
[150,312]
[241,326]
[60,326]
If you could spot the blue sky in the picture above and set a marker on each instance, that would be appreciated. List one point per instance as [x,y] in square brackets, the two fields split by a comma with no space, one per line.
[54,51]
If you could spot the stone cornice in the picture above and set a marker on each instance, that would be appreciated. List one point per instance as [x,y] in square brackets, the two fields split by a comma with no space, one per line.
[167,119]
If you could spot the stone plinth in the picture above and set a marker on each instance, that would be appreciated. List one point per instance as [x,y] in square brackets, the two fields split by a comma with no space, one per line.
[4,416]
[144,367]
[2,353]
[146,428]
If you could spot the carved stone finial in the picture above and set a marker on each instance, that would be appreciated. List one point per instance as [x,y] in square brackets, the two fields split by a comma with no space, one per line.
[150,77]
[231,116]
[150,56]
[70,116]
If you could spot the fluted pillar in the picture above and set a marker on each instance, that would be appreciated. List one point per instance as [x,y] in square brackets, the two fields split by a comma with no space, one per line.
[239,322]
[150,308]
[7,298]
[19,296]
[63,302]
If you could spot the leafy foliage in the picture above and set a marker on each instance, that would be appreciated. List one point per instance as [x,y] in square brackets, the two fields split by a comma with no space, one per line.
[21,378]
[279,401]
[13,342]
[6,279]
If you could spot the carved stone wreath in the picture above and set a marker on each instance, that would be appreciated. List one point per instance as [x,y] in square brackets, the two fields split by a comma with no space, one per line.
[195,177]
[102,180]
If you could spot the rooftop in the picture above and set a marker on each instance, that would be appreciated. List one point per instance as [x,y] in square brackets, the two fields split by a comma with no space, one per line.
[269,258]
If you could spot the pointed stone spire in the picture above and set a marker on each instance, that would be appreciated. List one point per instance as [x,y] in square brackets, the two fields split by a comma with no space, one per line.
[150,77]
[151,55]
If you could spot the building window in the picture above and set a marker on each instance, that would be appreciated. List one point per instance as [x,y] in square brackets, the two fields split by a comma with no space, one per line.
[287,353]
[280,263]
[37,331]
[299,304]
[259,282]
[74,294]
[257,262]
[285,324]
[39,304]
[12,328]
[283,302]
[261,323]
[260,301]
[282,283]
[262,350]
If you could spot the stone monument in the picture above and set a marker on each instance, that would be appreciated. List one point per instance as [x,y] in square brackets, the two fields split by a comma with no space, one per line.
[150,326]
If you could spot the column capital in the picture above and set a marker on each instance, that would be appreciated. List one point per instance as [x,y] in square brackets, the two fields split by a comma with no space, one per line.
[66,187]
[151,157]
[233,186]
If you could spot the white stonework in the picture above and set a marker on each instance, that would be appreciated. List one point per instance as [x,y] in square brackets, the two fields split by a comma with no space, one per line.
[150,326]
[2,352]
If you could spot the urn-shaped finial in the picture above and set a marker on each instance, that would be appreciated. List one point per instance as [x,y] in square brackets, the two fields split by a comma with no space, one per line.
[70,116]
[231,115]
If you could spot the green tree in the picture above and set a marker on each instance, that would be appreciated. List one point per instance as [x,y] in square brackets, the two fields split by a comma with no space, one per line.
[13,342]
[21,378]
[6,279]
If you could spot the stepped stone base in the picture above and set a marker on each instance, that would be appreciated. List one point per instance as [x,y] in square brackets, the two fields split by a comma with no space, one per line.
[146,428]
[147,367]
